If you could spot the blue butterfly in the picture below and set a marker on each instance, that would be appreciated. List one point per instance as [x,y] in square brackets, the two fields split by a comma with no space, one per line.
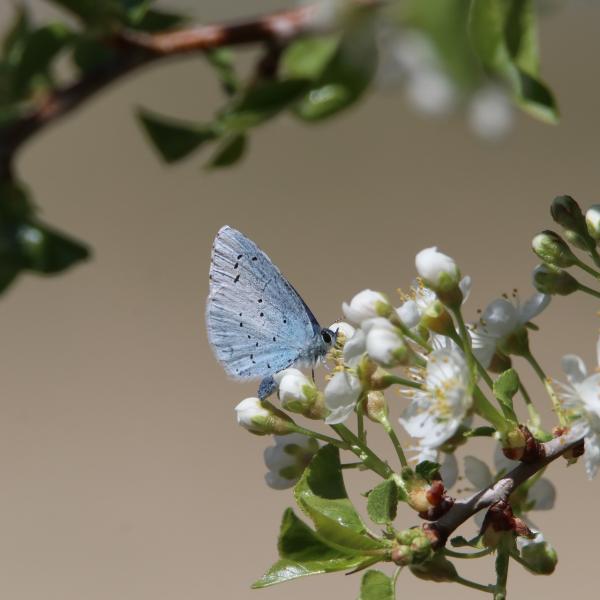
[257,322]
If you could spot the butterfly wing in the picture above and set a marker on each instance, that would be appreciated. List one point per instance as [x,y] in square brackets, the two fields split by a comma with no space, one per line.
[257,323]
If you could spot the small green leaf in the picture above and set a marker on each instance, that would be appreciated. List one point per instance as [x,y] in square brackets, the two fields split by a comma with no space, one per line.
[89,53]
[427,469]
[174,139]
[307,58]
[41,48]
[302,553]
[483,431]
[376,585]
[230,151]
[382,502]
[505,387]
[16,37]
[461,542]
[221,60]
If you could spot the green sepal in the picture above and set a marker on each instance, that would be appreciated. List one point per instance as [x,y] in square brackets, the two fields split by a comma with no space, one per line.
[230,151]
[376,585]
[221,59]
[427,469]
[382,502]
[461,542]
[483,431]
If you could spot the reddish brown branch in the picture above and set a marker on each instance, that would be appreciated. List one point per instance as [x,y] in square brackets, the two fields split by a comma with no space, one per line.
[499,491]
[134,49]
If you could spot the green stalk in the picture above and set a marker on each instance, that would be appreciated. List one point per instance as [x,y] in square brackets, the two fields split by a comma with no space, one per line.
[391,379]
[502,562]
[588,290]
[479,554]
[320,436]
[588,269]
[395,441]
[534,415]
[474,585]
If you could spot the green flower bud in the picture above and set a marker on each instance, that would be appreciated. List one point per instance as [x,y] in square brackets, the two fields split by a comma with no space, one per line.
[438,569]
[538,556]
[549,280]
[567,213]
[413,546]
[376,407]
[553,250]
[436,318]
[258,419]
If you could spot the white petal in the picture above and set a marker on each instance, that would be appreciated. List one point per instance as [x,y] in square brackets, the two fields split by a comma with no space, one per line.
[344,327]
[339,415]
[465,287]
[354,348]
[484,346]
[574,368]
[598,351]
[591,455]
[409,313]
[500,318]
[341,394]
[477,472]
[534,306]
[276,458]
[543,493]
[277,482]
[432,265]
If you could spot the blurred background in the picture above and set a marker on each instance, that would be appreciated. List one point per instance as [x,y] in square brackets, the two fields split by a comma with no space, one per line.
[124,474]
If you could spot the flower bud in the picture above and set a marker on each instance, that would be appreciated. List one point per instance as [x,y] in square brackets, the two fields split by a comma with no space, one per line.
[343,330]
[592,220]
[438,569]
[376,407]
[553,250]
[367,305]
[549,280]
[567,213]
[441,274]
[257,419]
[437,319]
[385,343]
[537,555]
[413,546]
[297,393]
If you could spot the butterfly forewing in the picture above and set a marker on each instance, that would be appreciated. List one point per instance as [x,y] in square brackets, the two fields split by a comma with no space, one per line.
[256,322]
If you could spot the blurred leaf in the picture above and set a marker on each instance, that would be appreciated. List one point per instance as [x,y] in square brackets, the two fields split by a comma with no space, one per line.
[307,58]
[40,49]
[303,553]
[89,53]
[221,60]
[346,76]
[382,502]
[504,36]
[483,431]
[155,21]
[105,12]
[376,585]
[174,139]
[48,251]
[229,152]
[14,40]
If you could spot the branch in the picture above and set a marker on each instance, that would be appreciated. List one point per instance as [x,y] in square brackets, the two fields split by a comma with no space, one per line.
[501,490]
[135,49]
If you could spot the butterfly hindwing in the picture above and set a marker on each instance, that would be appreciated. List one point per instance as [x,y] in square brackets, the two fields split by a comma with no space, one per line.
[257,323]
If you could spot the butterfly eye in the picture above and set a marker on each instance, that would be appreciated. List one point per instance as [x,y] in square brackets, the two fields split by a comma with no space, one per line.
[326,336]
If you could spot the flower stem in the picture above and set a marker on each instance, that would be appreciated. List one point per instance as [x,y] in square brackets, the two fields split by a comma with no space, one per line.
[502,562]
[395,441]
[485,409]
[320,436]
[534,415]
[595,256]
[588,290]
[474,585]
[368,457]
[466,341]
[479,554]
[588,269]
[360,419]
[390,379]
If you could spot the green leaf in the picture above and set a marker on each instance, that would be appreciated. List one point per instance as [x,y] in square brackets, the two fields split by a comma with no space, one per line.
[40,49]
[504,36]
[45,250]
[428,470]
[173,138]
[483,431]
[461,542]
[321,494]
[230,152]
[155,21]
[260,102]
[376,585]
[307,58]
[303,553]
[16,36]
[89,53]
[382,502]
[93,12]
[505,387]
[221,59]
[347,75]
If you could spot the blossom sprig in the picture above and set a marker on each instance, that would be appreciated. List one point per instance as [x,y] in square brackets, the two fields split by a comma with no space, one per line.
[448,382]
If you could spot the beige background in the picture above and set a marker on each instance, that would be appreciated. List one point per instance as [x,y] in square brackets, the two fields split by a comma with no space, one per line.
[123,474]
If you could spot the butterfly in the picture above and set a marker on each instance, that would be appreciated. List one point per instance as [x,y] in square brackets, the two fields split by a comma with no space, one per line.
[257,322]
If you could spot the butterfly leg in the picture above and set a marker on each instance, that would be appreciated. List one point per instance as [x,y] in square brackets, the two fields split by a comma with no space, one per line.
[267,387]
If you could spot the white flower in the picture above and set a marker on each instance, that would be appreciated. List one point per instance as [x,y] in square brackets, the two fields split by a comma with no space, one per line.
[491,112]
[354,348]
[287,459]
[420,298]
[438,271]
[251,414]
[342,327]
[436,412]
[296,391]
[592,219]
[366,305]
[341,395]
[500,319]
[431,92]
[385,344]
[581,400]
